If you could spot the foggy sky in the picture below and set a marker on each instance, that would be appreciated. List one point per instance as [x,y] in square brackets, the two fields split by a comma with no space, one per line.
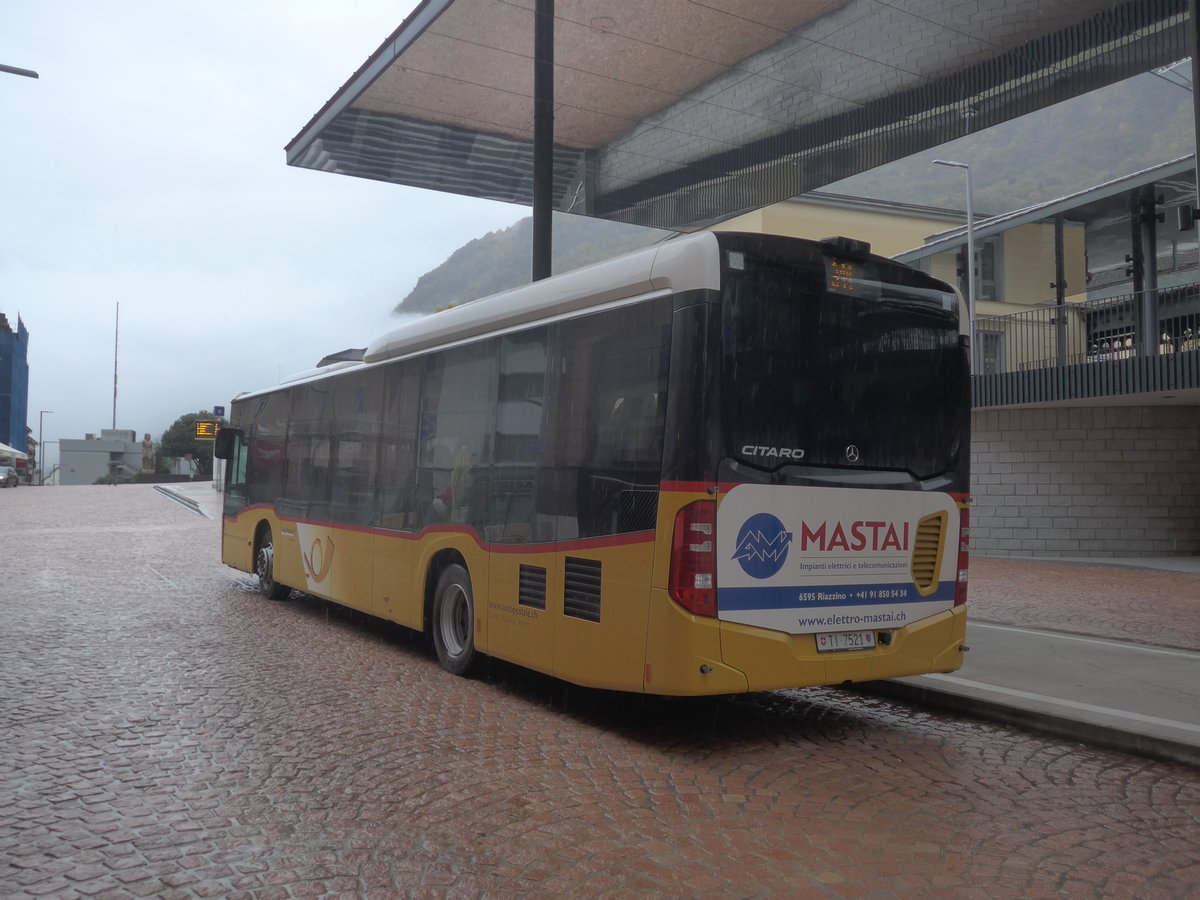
[145,167]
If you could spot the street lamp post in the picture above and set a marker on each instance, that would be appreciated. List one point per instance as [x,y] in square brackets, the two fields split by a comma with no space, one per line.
[14,70]
[41,450]
[966,167]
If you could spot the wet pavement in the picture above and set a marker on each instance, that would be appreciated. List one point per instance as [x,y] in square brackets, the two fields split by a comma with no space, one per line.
[166,732]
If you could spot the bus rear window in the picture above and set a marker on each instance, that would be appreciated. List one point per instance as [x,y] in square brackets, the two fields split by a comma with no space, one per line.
[828,362]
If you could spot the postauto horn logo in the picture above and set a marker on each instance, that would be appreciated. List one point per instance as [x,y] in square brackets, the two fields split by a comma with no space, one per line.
[762,545]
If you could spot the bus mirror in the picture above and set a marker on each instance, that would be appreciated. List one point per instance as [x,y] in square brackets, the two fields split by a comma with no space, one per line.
[227,439]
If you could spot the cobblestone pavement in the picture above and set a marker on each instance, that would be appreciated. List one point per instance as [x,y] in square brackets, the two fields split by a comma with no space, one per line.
[1160,608]
[165,732]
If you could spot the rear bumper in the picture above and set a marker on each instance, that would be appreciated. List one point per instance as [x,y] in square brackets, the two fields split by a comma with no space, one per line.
[689,655]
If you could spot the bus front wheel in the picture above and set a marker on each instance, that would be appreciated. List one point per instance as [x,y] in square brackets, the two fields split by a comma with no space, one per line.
[264,568]
[453,620]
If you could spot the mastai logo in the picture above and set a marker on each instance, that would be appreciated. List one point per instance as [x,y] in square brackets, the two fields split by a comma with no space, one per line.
[762,545]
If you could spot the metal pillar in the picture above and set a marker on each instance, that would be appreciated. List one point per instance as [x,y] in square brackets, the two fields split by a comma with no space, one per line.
[1193,38]
[972,297]
[1060,291]
[543,138]
[1145,225]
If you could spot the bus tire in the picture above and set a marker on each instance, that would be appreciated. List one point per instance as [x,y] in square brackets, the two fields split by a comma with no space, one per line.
[453,620]
[264,568]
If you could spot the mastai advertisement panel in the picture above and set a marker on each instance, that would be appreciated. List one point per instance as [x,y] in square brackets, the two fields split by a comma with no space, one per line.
[810,559]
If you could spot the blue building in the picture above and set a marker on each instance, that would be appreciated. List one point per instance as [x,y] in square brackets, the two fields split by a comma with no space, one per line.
[14,383]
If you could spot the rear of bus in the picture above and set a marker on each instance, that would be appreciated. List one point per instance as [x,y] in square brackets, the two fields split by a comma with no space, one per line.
[815,474]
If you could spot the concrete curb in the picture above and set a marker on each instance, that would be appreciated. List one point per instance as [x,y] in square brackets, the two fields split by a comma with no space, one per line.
[182,500]
[1183,565]
[1109,737]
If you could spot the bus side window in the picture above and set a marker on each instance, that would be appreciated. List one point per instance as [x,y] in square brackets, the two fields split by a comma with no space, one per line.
[608,426]
[397,472]
[306,488]
[519,419]
[266,437]
[458,396]
[358,399]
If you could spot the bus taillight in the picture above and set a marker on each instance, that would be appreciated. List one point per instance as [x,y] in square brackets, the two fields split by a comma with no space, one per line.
[693,582]
[964,543]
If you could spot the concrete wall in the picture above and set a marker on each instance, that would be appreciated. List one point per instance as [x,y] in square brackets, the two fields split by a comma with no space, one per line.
[85,461]
[1089,481]
[1028,263]
[888,231]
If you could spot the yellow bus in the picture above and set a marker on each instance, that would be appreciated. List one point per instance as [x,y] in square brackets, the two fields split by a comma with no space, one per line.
[724,463]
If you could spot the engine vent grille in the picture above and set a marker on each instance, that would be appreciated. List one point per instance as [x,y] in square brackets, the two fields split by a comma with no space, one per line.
[531,591]
[581,591]
[927,551]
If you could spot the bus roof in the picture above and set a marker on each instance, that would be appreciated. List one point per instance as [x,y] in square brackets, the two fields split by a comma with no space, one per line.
[683,263]
[679,263]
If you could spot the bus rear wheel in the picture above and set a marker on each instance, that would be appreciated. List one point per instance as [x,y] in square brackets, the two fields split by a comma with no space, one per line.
[264,568]
[453,620]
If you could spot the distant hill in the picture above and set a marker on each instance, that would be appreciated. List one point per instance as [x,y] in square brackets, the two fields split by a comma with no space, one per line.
[504,259]
[1047,154]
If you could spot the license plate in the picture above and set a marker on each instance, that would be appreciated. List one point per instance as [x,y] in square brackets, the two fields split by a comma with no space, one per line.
[833,641]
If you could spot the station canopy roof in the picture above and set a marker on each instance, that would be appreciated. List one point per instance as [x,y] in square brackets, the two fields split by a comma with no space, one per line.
[679,113]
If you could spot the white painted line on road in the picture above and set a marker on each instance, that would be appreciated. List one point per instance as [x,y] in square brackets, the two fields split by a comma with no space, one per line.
[1131,645]
[163,577]
[1058,701]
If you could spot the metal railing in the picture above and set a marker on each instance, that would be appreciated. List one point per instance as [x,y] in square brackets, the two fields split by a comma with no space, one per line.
[1090,332]
[1089,349]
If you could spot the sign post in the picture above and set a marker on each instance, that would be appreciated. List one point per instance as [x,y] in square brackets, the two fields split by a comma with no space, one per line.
[206,430]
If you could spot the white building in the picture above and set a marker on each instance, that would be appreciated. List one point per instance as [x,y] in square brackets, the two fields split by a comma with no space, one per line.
[114,452]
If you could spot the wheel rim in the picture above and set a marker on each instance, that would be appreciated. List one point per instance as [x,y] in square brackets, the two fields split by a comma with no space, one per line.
[454,621]
[264,566]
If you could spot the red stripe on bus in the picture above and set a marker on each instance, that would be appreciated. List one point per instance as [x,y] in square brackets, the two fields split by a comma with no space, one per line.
[687,487]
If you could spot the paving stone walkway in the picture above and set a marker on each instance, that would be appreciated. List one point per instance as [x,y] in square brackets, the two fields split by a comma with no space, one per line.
[166,732]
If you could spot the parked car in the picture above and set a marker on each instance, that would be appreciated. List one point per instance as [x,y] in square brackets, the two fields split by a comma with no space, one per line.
[8,476]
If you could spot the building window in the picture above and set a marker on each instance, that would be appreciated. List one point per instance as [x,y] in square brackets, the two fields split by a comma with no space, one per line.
[990,269]
[991,352]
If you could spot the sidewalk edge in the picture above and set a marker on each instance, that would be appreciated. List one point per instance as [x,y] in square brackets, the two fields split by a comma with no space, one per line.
[182,500]
[1105,736]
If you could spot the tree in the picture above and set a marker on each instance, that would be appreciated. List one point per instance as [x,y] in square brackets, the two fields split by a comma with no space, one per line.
[180,441]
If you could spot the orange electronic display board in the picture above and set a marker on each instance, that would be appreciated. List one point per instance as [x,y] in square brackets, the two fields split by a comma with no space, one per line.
[206,430]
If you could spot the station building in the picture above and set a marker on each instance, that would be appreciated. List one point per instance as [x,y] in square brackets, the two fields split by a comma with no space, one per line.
[14,386]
